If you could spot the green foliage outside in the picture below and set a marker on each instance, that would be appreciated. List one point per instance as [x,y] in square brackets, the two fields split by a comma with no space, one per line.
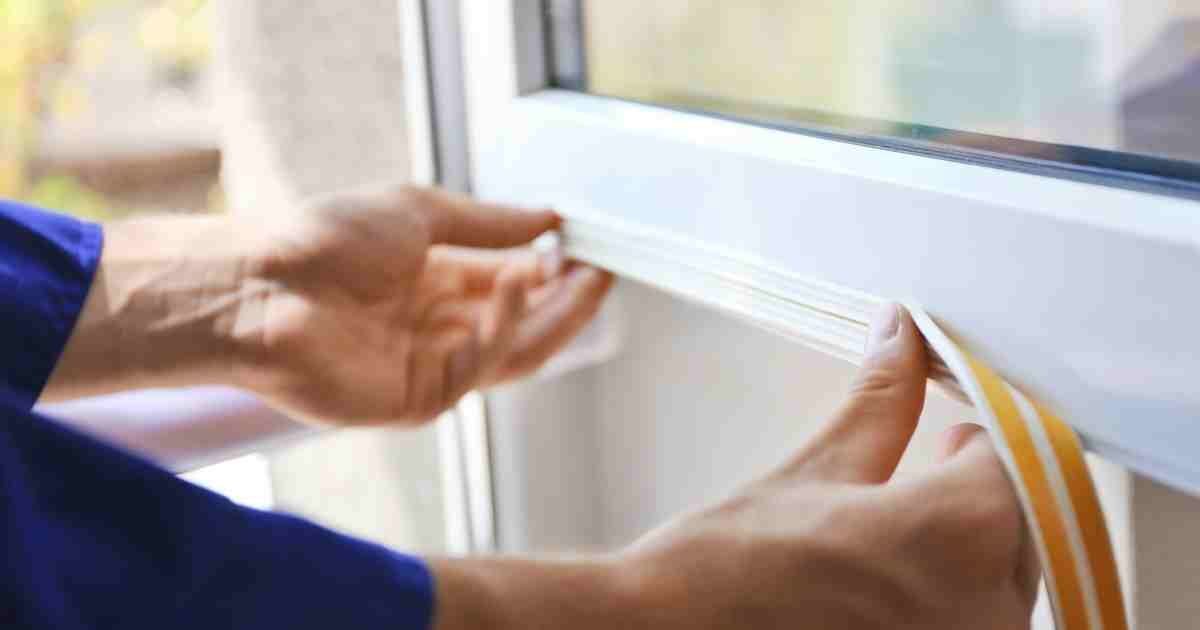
[42,36]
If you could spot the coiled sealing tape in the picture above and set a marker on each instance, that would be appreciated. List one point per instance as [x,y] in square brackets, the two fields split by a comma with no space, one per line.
[1044,460]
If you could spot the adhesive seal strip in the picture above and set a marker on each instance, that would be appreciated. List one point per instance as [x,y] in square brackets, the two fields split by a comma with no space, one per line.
[1044,460]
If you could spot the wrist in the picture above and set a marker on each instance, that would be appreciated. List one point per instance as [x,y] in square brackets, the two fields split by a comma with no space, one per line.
[510,593]
[172,303]
[182,291]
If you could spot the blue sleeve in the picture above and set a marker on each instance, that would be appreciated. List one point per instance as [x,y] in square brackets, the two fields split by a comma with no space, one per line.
[91,537]
[46,266]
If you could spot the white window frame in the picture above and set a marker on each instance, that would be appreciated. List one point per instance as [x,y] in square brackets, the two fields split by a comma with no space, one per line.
[1081,292]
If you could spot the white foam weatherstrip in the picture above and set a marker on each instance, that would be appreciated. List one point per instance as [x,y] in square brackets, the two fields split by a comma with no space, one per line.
[829,319]
[1042,455]
[1044,460]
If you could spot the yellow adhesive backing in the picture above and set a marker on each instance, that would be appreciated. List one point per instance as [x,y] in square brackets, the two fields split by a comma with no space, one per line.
[1044,460]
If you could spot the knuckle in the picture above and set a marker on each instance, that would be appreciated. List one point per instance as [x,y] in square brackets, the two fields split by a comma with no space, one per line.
[999,511]
[877,382]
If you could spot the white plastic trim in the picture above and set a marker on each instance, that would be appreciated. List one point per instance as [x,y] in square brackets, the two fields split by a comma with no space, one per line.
[823,316]
[1073,291]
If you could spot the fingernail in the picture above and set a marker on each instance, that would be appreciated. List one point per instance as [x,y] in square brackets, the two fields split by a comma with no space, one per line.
[884,326]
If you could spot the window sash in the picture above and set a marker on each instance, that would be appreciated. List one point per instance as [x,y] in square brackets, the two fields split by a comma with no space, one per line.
[1074,290]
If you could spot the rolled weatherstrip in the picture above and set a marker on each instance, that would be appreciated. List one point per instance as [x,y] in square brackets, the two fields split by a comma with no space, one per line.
[1044,461]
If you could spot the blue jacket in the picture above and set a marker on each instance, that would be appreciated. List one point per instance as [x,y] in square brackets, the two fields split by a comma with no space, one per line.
[93,537]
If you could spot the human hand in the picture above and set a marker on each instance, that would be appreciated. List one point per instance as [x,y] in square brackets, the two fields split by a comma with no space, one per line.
[829,540]
[384,306]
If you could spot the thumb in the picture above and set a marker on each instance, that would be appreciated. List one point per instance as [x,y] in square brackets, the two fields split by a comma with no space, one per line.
[865,438]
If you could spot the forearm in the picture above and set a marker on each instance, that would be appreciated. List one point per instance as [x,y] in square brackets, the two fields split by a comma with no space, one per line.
[363,308]
[522,593]
[173,302]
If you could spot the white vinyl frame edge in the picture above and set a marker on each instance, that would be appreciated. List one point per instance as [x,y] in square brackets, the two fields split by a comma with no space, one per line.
[535,145]
[825,317]
[427,28]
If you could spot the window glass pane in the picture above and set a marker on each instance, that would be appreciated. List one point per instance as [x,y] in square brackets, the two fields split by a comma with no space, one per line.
[1091,82]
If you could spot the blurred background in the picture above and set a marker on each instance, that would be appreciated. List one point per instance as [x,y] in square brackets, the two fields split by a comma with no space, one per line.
[106,106]
[106,110]
[114,107]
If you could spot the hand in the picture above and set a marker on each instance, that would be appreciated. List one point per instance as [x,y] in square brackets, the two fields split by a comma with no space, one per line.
[829,540]
[382,310]
[372,307]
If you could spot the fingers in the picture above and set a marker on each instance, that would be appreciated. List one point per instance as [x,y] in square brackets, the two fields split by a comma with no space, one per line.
[475,270]
[970,483]
[429,378]
[966,452]
[461,220]
[968,504]
[516,329]
[564,308]
[971,459]
[482,353]
[866,437]
[955,438]
[498,330]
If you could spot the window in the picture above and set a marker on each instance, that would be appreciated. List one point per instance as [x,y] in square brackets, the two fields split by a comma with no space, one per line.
[1060,248]
[1111,87]
[799,205]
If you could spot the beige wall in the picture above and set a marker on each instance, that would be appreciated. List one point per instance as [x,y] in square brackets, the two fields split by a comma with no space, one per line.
[311,99]
[1164,525]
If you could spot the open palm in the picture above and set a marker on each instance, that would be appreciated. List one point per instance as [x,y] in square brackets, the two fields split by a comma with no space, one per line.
[389,306]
